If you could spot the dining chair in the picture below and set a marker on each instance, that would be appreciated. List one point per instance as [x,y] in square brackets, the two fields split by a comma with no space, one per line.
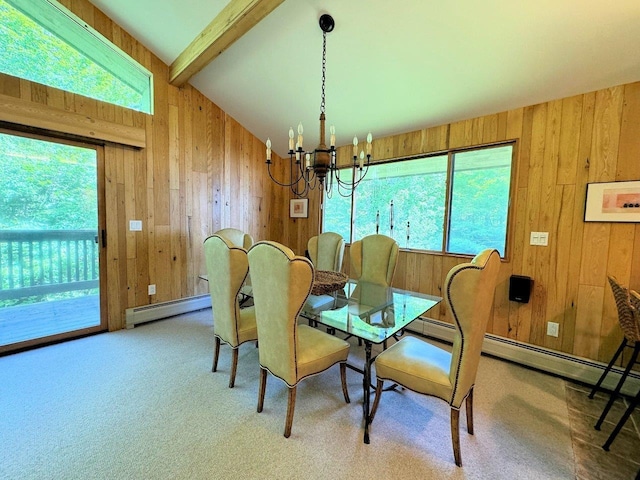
[634,301]
[326,251]
[374,259]
[630,339]
[289,351]
[239,239]
[227,269]
[449,375]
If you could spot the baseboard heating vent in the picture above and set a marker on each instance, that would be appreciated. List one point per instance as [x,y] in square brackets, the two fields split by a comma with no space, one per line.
[137,315]
[551,361]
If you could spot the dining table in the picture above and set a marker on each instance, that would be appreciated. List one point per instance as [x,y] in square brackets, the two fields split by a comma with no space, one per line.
[371,313]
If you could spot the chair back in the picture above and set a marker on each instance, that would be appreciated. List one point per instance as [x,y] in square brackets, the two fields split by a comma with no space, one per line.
[626,318]
[634,299]
[374,259]
[469,291]
[236,237]
[326,251]
[281,284]
[227,268]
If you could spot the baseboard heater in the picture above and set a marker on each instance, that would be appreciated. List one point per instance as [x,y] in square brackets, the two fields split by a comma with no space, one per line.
[137,315]
[546,360]
[550,361]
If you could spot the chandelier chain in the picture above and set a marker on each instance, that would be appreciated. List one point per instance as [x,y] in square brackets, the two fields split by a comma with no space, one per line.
[324,67]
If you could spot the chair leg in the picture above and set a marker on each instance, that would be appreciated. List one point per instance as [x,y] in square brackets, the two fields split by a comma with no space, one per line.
[615,393]
[262,388]
[376,401]
[455,435]
[622,421]
[216,353]
[469,403]
[606,370]
[291,405]
[343,378]
[234,367]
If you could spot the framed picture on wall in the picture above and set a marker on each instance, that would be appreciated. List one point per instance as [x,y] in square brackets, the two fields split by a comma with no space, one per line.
[613,202]
[299,207]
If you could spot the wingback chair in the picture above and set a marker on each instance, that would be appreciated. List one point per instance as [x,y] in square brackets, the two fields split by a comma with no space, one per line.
[326,251]
[431,370]
[239,239]
[236,237]
[374,259]
[631,338]
[289,351]
[227,268]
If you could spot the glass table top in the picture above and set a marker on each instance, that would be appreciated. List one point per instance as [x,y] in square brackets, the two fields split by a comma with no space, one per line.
[368,311]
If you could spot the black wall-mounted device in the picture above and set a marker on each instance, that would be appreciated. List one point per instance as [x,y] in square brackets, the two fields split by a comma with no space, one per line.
[520,288]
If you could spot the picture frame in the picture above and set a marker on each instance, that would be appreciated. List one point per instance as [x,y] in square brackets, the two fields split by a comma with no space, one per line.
[613,202]
[299,207]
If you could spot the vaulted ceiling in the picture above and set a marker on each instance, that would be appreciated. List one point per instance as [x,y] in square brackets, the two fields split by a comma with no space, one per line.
[391,66]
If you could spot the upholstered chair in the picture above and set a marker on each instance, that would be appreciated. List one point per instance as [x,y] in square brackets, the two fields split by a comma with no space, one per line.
[631,338]
[227,268]
[449,375]
[326,251]
[374,259]
[239,239]
[236,237]
[289,351]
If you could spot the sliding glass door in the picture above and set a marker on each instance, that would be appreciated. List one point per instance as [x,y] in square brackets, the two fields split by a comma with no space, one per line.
[50,240]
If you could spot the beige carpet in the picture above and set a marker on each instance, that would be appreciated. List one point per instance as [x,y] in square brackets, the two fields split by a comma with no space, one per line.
[143,404]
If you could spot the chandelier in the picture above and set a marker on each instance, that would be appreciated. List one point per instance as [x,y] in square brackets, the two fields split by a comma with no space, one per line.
[317,168]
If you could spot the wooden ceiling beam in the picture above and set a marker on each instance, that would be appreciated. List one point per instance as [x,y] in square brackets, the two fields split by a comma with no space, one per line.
[235,19]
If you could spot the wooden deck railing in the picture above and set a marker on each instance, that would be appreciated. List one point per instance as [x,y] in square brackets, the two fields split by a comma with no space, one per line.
[34,262]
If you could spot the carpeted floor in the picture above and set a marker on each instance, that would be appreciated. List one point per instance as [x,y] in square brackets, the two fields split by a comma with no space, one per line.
[143,404]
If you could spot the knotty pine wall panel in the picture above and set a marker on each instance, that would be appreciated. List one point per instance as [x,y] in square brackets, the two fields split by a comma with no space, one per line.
[561,145]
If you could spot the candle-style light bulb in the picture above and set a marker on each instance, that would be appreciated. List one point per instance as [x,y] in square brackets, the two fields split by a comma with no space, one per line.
[355,147]
[290,139]
[369,140]
[300,131]
[308,159]
[297,152]
[361,159]
[268,149]
[332,131]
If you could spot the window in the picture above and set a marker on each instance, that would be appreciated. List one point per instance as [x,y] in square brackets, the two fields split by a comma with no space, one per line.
[456,202]
[43,42]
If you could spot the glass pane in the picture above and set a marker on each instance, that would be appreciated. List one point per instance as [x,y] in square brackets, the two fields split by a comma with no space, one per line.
[404,200]
[48,239]
[45,43]
[337,208]
[480,200]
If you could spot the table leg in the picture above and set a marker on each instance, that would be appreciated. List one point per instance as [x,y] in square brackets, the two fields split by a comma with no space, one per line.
[366,387]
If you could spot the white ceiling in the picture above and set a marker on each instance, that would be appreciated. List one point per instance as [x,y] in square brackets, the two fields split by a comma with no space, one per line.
[396,66]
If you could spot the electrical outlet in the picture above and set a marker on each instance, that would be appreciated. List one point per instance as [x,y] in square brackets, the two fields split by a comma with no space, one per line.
[135,225]
[552,329]
[152,290]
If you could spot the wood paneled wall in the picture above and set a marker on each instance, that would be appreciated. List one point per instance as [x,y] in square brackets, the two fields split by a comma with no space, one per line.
[202,171]
[561,146]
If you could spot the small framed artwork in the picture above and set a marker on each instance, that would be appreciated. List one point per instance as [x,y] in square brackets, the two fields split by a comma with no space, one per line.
[613,202]
[299,207]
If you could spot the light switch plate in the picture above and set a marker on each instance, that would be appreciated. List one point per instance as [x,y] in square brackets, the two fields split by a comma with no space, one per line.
[539,238]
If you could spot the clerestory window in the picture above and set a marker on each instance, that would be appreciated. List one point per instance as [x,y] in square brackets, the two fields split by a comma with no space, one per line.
[44,42]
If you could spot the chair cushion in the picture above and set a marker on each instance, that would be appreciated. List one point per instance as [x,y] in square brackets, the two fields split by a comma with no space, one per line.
[417,365]
[318,351]
[247,329]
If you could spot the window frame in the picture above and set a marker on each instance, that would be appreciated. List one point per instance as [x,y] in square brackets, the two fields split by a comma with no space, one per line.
[450,153]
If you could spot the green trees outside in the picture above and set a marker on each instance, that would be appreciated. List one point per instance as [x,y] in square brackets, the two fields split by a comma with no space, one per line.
[48,219]
[478,205]
[29,51]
